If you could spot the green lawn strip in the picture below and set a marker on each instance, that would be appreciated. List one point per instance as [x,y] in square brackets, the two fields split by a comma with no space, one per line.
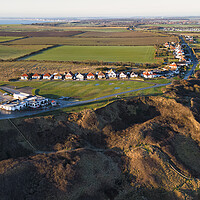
[82,90]
[137,54]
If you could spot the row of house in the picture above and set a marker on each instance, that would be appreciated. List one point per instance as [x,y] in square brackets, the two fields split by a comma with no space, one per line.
[80,76]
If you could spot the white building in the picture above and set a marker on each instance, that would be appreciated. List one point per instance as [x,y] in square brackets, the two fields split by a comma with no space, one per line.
[80,77]
[122,75]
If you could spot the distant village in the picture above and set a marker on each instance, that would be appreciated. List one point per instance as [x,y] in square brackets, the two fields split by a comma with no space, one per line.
[167,71]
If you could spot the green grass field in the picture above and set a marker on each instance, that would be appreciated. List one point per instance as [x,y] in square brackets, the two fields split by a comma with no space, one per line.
[137,54]
[81,90]
[15,51]
[7,38]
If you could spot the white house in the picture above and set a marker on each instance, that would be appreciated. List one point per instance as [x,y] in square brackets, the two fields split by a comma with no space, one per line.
[149,74]
[47,76]
[36,76]
[122,75]
[69,76]
[57,76]
[111,74]
[133,75]
[101,75]
[79,77]
[24,77]
[90,76]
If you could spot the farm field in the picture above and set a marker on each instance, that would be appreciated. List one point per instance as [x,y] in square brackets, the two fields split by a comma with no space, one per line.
[92,41]
[7,38]
[15,51]
[82,90]
[137,54]
[29,28]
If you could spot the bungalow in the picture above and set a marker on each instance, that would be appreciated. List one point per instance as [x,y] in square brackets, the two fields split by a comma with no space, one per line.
[149,74]
[101,75]
[111,74]
[69,75]
[36,76]
[173,66]
[57,76]
[167,45]
[122,75]
[90,76]
[24,77]
[79,77]
[133,75]
[47,76]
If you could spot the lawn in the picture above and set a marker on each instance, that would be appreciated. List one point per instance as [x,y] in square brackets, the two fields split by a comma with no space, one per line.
[7,38]
[15,51]
[81,90]
[137,54]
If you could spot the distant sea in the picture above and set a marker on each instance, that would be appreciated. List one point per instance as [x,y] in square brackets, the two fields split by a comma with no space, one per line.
[21,21]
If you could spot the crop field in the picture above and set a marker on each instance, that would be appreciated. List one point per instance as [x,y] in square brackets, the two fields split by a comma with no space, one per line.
[137,54]
[41,33]
[29,28]
[15,51]
[81,90]
[7,38]
[95,41]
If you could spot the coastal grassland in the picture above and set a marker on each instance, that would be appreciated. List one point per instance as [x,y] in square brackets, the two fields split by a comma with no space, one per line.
[7,38]
[81,90]
[137,54]
[15,51]
[95,41]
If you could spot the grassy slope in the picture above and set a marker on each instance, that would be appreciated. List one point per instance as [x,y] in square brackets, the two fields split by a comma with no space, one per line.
[15,51]
[139,54]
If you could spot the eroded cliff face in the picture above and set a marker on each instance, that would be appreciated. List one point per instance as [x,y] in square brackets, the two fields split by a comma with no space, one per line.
[141,148]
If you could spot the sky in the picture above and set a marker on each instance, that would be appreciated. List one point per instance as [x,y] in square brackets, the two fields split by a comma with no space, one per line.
[98,8]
